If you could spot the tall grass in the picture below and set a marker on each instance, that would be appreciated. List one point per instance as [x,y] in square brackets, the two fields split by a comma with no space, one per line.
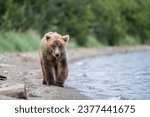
[21,42]
[129,41]
[14,41]
[91,41]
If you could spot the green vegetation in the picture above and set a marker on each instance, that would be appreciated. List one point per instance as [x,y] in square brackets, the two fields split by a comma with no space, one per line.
[92,42]
[129,41]
[12,41]
[88,22]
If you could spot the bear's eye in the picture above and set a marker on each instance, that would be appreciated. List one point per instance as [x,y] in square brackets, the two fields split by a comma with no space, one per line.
[60,46]
[53,46]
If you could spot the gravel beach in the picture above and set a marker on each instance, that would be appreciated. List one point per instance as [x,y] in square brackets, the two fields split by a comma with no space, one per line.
[24,68]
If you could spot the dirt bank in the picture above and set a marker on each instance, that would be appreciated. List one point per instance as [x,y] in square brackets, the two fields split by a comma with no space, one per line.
[24,68]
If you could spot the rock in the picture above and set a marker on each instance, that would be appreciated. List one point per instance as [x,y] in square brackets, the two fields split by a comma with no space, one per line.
[15,91]
[3,77]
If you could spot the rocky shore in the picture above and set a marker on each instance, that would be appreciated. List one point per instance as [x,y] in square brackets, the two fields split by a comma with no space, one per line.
[21,72]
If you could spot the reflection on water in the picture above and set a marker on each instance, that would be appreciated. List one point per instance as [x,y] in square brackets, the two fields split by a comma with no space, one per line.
[119,76]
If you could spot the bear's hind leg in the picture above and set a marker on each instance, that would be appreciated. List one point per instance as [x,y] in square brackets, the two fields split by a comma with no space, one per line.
[43,73]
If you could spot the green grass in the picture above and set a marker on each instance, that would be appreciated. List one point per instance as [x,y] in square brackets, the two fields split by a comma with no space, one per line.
[92,42]
[22,42]
[72,43]
[129,41]
[14,41]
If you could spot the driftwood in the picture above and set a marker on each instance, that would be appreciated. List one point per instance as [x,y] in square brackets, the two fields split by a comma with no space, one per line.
[3,77]
[16,91]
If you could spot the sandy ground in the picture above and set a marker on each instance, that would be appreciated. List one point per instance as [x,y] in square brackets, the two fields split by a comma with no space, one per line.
[24,68]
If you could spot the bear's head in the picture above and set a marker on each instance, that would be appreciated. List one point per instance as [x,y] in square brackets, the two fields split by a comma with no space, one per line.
[56,43]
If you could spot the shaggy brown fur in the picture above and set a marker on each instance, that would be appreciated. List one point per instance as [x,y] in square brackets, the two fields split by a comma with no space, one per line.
[53,59]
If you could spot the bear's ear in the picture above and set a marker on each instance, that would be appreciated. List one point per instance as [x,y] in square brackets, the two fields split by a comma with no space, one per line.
[48,37]
[65,38]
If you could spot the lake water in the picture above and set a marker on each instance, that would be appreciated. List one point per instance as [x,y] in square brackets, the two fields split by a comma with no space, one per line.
[118,76]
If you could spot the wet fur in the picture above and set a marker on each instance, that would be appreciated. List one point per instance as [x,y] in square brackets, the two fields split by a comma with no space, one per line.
[55,70]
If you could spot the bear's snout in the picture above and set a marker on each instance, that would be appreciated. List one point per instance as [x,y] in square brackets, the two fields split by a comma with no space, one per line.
[57,55]
[57,52]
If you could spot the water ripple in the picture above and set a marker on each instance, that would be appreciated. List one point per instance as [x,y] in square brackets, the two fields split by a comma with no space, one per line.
[119,76]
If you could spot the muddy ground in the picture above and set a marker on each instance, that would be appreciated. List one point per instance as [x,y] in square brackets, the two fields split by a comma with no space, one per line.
[24,68]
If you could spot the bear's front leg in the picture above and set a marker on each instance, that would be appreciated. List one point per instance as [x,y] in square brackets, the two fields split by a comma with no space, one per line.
[49,76]
[61,73]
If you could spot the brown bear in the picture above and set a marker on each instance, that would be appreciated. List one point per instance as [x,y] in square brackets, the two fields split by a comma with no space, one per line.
[53,59]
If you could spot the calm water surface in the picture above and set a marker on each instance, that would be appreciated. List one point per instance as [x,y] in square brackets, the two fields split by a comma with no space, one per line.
[119,76]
